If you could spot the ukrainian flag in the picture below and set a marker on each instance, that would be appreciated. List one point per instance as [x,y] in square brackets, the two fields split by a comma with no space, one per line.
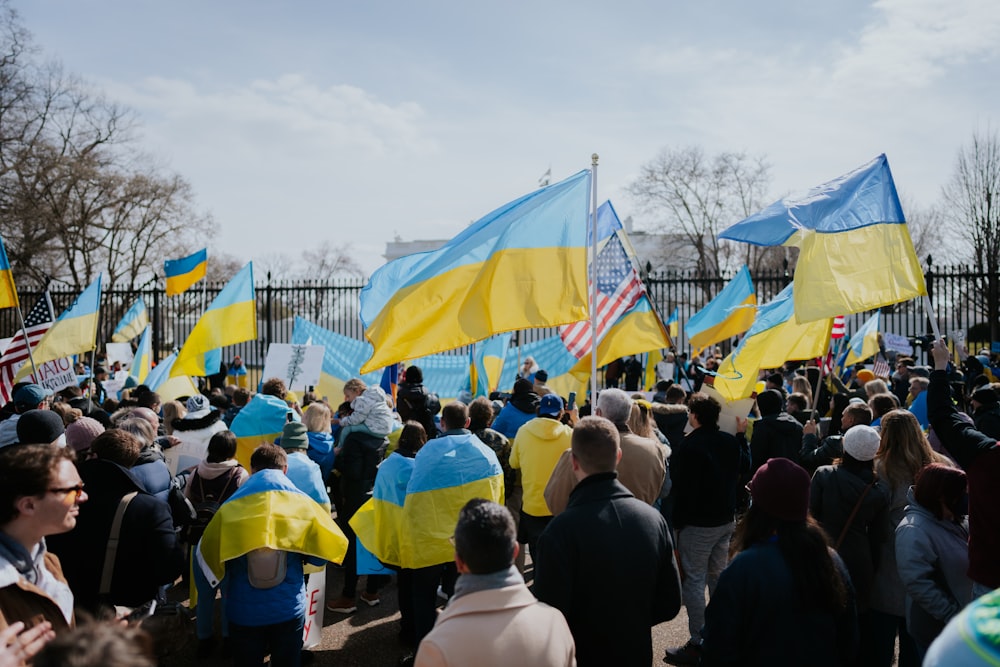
[379,523]
[774,338]
[864,342]
[673,325]
[729,314]
[75,332]
[8,292]
[184,272]
[260,421]
[132,323]
[167,387]
[342,358]
[231,319]
[268,511]
[521,266]
[855,249]
[488,358]
[638,330]
[142,361]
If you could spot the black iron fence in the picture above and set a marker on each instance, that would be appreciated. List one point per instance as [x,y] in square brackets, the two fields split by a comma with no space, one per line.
[960,295]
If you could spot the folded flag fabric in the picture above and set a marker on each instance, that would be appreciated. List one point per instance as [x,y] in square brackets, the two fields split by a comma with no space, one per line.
[729,314]
[75,332]
[182,273]
[864,342]
[260,421]
[132,323]
[167,387]
[268,511]
[8,292]
[521,266]
[142,360]
[774,338]
[673,324]
[488,359]
[230,319]
[856,253]
[379,524]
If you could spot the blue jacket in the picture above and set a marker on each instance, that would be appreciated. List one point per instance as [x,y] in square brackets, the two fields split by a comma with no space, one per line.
[321,451]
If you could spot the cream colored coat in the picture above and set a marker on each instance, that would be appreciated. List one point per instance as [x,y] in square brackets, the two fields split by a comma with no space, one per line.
[498,628]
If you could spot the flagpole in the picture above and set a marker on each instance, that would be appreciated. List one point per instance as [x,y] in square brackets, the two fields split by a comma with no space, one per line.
[27,343]
[819,384]
[593,282]
[932,316]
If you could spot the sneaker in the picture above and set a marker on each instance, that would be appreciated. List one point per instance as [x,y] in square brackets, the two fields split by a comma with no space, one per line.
[371,600]
[342,605]
[689,654]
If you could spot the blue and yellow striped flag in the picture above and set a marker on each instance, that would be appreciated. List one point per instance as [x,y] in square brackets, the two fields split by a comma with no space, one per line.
[521,266]
[260,421]
[184,272]
[142,361]
[132,323]
[8,292]
[864,342]
[231,319]
[75,332]
[728,314]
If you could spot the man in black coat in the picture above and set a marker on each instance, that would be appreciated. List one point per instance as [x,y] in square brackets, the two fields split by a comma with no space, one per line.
[607,561]
[148,554]
[776,434]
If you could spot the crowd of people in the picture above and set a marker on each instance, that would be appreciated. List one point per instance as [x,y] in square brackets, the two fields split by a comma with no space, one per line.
[557,534]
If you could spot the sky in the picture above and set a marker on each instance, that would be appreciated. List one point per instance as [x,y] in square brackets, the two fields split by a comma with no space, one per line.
[357,122]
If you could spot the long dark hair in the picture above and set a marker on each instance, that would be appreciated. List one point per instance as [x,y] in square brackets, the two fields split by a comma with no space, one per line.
[807,553]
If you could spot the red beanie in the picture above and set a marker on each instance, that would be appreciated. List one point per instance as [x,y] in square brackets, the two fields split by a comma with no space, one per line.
[780,488]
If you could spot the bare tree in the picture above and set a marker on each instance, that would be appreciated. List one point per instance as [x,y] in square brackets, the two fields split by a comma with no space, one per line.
[973,200]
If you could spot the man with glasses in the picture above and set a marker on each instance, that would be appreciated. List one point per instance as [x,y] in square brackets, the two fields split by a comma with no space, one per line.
[40,495]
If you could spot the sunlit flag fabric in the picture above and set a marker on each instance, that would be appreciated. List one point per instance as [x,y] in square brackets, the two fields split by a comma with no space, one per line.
[379,523]
[864,342]
[132,323]
[521,266]
[839,329]
[231,319]
[729,314]
[855,250]
[75,332]
[268,511]
[774,338]
[673,324]
[36,323]
[167,387]
[261,420]
[618,289]
[8,292]
[637,331]
[488,358]
[143,358]
[184,272]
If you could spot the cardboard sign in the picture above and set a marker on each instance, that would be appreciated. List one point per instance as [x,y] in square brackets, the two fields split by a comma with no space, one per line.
[312,631]
[898,343]
[55,375]
[298,365]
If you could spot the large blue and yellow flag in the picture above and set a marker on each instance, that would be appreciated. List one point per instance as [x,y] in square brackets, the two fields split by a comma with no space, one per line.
[142,361]
[75,332]
[414,531]
[260,421]
[488,358]
[729,314]
[774,338]
[184,272]
[231,319]
[864,342]
[8,292]
[855,251]
[132,323]
[268,511]
[521,266]
[169,388]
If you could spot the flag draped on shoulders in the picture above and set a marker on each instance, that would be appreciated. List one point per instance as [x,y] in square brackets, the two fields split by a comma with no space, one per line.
[856,253]
[182,273]
[230,319]
[260,421]
[774,338]
[521,266]
[379,523]
[75,332]
[729,314]
[132,323]
[268,511]
[8,292]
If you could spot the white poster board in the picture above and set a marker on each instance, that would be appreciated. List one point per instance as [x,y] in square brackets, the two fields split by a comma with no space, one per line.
[312,631]
[897,343]
[119,352]
[54,375]
[298,365]
[730,411]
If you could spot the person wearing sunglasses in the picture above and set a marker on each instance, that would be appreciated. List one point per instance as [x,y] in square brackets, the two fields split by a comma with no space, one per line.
[40,495]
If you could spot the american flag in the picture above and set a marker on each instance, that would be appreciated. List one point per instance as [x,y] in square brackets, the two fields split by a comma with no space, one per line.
[618,289]
[36,323]
[881,367]
[839,329]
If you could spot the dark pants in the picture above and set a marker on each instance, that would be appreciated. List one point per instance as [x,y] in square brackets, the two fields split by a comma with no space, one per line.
[530,529]
[882,631]
[422,585]
[250,643]
[374,582]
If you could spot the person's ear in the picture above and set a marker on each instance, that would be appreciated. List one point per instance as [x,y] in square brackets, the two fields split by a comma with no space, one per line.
[618,457]
[26,505]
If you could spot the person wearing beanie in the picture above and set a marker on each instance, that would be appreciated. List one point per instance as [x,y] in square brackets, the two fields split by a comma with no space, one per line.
[43,427]
[786,598]
[816,453]
[852,506]
[414,402]
[26,396]
[520,409]
[193,430]
[986,411]
[539,386]
[81,433]
[776,433]
[302,470]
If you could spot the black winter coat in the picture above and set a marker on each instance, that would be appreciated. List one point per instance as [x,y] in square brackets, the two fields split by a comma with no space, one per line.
[607,563]
[706,469]
[774,436]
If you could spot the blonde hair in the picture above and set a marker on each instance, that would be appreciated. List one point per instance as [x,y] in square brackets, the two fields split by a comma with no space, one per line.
[172,410]
[873,387]
[904,449]
[317,418]
[356,385]
[800,384]
[640,421]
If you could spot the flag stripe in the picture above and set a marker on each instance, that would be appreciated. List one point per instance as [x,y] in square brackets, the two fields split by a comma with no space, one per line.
[37,322]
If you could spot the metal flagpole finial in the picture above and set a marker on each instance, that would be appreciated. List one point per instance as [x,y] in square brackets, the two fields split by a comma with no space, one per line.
[594,158]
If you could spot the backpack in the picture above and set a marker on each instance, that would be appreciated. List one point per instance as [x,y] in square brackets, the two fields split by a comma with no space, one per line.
[206,497]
